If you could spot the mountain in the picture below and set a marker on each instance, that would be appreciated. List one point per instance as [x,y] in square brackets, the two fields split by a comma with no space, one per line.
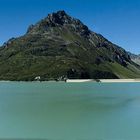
[59,47]
[135,58]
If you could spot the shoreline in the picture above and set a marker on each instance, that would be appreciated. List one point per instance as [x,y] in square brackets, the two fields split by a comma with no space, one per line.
[79,80]
[87,80]
[120,80]
[104,80]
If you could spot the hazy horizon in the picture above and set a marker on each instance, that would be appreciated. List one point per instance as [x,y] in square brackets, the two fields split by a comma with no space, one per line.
[115,20]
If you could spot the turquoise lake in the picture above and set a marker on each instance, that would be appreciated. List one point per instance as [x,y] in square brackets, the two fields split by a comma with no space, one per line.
[69,111]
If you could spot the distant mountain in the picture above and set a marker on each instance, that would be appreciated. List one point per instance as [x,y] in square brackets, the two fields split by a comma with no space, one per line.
[59,47]
[135,58]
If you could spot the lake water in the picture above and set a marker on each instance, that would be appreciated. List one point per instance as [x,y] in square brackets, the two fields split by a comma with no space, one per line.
[70,111]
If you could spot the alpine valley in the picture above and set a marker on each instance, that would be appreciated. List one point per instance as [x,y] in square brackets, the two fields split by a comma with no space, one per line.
[59,47]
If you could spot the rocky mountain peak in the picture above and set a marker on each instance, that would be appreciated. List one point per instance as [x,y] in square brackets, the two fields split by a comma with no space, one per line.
[61,19]
[58,18]
[60,14]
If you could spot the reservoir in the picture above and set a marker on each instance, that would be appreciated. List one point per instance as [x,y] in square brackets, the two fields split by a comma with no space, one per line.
[69,111]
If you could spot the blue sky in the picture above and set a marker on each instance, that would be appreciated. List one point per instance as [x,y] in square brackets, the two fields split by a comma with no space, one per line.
[117,20]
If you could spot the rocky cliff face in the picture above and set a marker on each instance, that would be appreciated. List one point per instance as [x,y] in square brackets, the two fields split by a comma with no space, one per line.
[60,46]
[60,19]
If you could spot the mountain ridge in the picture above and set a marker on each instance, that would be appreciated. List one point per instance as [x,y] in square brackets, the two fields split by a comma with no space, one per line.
[59,47]
[135,58]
